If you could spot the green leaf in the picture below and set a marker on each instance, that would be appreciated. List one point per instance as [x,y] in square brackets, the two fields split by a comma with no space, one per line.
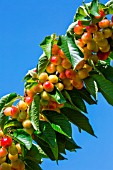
[31,165]
[23,137]
[3,119]
[33,154]
[77,100]
[46,148]
[110,9]
[34,112]
[12,123]
[79,119]
[57,96]
[91,86]
[94,8]
[42,63]
[71,145]
[59,122]
[46,45]
[6,99]
[105,87]
[61,143]
[107,71]
[86,96]
[49,136]
[71,50]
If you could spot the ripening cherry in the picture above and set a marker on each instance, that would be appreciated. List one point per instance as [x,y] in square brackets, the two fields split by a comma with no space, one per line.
[6,141]
[5,166]
[80,43]
[70,73]
[37,88]
[61,53]
[51,68]
[3,152]
[13,157]
[107,32]
[28,100]
[53,79]
[22,115]
[92,28]
[69,88]
[12,149]
[55,49]
[87,53]
[43,77]
[60,86]
[26,123]
[104,23]
[14,112]
[102,55]
[44,102]
[29,130]
[80,65]
[60,69]
[102,43]
[62,75]
[88,67]
[78,83]
[105,49]
[83,73]
[78,29]
[22,105]
[45,95]
[94,58]
[18,164]
[66,63]
[91,45]
[7,111]
[86,37]
[30,93]
[56,60]
[98,36]
[66,82]
[19,148]
[48,86]
[2,160]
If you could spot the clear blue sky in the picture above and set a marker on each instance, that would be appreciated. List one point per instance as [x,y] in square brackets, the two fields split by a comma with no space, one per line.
[23,25]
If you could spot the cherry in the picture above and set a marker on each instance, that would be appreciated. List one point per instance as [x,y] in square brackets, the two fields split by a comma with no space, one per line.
[51,68]
[22,105]
[62,75]
[102,55]
[6,141]
[14,112]
[43,77]
[53,78]
[45,95]
[60,86]
[83,73]
[26,123]
[7,111]
[48,86]
[56,60]
[78,29]
[3,152]
[55,49]
[66,63]
[28,100]
[104,23]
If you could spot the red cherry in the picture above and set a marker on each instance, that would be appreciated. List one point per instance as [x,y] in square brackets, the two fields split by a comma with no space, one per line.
[103,55]
[28,100]
[6,141]
[80,23]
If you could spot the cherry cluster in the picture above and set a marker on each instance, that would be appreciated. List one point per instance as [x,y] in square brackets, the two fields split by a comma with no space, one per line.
[94,40]
[10,150]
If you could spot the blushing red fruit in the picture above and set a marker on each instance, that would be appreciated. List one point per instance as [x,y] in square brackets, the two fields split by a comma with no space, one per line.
[19,148]
[102,55]
[55,49]
[7,111]
[60,69]
[14,112]
[92,28]
[61,53]
[86,37]
[78,29]
[13,157]
[3,152]
[66,63]
[48,86]
[52,105]
[56,60]
[102,14]
[37,88]
[78,83]
[62,75]
[28,100]
[104,23]
[51,68]
[70,73]
[6,141]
